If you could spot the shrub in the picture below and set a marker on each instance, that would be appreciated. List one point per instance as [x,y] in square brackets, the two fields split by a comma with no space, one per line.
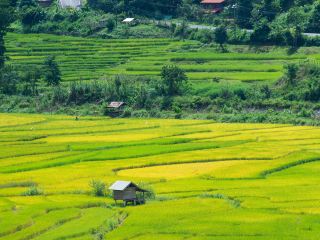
[150,194]
[220,36]
[174,79]
[51,71]
[98,188]
[32,191]
[8,80]
[204,36]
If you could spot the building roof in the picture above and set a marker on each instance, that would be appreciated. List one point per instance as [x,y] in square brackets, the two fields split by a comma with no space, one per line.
[212,1]
[122,185]
[119,185]
[70,3]
[128,20]
[115,104]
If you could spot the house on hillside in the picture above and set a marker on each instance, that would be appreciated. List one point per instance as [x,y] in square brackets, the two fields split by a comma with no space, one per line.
[127,192]
[114,109]
[70,3]
[128,20]
[213,6]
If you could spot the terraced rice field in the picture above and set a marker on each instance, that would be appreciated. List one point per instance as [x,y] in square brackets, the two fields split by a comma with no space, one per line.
[212,180]
[89,59]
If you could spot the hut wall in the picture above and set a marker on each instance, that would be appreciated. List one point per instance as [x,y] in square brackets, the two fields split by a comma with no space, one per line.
[127,194]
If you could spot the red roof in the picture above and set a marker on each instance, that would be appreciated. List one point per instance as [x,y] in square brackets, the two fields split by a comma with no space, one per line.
[212,1]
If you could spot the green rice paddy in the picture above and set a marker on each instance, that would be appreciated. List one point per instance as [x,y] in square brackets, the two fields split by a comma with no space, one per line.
[90,59]
[212,180]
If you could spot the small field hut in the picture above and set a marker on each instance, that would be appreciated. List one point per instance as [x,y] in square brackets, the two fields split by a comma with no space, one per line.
[128,20]
[127,192]
[114,109]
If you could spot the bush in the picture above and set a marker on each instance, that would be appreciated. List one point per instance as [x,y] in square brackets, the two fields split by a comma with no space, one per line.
[238,36]
[8,80]
[52,72]
[150,194]
[98,188]
[204,36]
[174,79]
[32,191]
[220,35]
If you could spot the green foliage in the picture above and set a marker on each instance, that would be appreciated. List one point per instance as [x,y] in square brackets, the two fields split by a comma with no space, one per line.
[204,36]
[7,16]
[33,191]
[52,72]
[220,35]
[31,15]
[150,194]
[181,30]
[188,10]
[315,17]
[233,86]
[98,188]
[261,32]
[291,71]
[140,7]
[294,38]
[174,79]
[303,81]
[243,10]
[30,80]
[9,80]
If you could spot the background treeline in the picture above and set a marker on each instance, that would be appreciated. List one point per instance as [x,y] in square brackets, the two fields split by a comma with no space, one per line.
[272,21]
[293,99]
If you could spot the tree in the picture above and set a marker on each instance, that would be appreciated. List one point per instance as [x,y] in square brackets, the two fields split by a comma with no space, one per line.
[220,36]
[190,11]
[7,16]
[268,9]
[261,32]
[243,10]
[173,79]
[285,5]
[181,30]
[8,80]
[52,72]
[294,37]
[287,28]
[315,17]
[291,72]
[31,78]
[31,15]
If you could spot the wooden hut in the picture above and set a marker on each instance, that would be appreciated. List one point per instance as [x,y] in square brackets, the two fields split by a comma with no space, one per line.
[127,192]
[114,109]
